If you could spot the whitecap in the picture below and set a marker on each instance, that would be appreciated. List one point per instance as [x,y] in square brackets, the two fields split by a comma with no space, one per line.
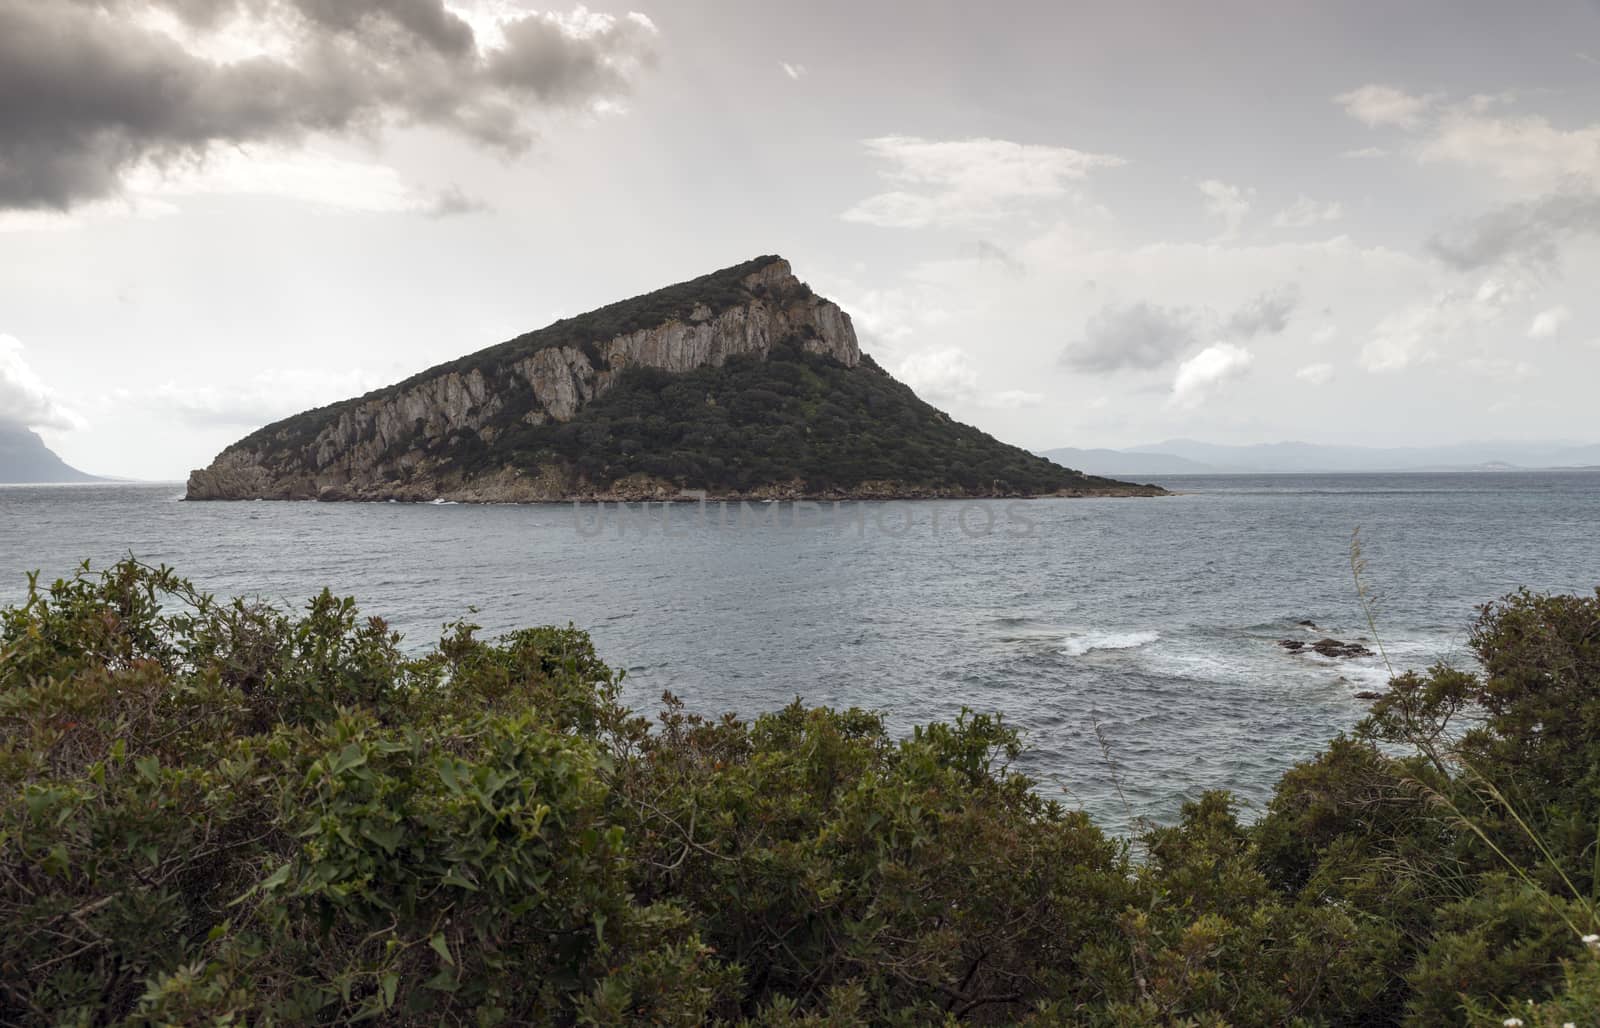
[1088,642]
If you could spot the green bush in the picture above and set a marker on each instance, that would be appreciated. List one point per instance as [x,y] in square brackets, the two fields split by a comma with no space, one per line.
[223,813]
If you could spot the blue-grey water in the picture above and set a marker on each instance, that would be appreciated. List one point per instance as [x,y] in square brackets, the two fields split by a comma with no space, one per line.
[1156,618]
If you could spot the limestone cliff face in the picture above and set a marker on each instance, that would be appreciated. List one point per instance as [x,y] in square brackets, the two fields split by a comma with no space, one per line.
[378,447]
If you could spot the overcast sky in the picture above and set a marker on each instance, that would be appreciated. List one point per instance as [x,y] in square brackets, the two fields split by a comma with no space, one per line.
[1070,224]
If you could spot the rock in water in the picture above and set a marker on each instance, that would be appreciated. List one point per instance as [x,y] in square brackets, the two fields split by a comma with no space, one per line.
[743,384]
[1335,648]
[1326,647]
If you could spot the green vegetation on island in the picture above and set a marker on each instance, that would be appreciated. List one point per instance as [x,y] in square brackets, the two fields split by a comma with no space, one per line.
[743,383]
[223,813]
[791,417]
[717,292]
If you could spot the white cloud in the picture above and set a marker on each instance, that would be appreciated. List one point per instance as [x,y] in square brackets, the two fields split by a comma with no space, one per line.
[1229,203]
[1200,375]
[1525,151]
[267,397]
[1315,374]
[794,71]
[1324,334]
[968,181]
[1548,176]
[1499,369]
[1378,105]
[1364,153]
[890,318]
[1013,399]
[320,179]
[316,178]
[1401,339]
[1548,323]
[1306,212]
[940,376]
[946,376]
[1410,336]
[24,398]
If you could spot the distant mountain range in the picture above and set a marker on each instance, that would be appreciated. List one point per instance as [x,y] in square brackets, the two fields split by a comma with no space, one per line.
[25,459]
[1188,457]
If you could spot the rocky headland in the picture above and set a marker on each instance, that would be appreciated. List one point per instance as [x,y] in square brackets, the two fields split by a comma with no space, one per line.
[742,384]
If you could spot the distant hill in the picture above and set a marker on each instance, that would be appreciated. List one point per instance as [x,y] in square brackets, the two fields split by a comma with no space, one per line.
[738,384]
[1188,457]
[1122,462]
[26,460]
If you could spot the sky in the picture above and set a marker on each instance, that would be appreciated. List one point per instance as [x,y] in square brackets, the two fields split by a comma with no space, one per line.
[1070,224]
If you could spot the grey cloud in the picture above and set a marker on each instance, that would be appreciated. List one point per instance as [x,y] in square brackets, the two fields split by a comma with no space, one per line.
[25,401]
[1532,231]
[90,91]
[1267,314]
[425,20]
[1144,336]
[990,253]
[418,21]
[547,63]
[1138,336]
[453,201]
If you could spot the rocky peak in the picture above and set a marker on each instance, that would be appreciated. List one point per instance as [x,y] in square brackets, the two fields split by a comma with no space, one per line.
[547,376]
[775,274]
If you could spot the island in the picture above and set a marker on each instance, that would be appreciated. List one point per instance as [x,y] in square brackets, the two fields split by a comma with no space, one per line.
[26,460]
[741,384]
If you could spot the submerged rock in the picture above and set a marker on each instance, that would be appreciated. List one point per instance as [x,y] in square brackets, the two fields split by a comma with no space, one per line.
[1327,647]
[1335,648]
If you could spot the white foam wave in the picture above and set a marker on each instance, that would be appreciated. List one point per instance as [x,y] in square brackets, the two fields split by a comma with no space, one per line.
[1088,642]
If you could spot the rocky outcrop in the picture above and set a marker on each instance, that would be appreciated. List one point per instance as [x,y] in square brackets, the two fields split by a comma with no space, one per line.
[1327,647]
[375,447]
[461,431]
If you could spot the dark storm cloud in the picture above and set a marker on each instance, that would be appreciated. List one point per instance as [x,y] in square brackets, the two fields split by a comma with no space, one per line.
[426,21]
[540,60]
[87,91]
[1532,231]
[1138,336]
[1267,314]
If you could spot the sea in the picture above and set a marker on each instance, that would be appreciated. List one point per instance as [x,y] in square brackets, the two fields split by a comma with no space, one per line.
[1134,642]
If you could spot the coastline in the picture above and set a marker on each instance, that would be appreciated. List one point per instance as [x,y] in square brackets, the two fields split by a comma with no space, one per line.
[687,497]
[243,476]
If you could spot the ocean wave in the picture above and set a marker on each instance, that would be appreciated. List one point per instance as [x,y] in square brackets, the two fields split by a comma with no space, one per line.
[1088,642]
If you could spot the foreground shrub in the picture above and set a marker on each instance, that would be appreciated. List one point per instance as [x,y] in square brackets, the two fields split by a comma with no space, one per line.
[224,813]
